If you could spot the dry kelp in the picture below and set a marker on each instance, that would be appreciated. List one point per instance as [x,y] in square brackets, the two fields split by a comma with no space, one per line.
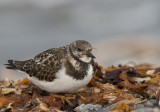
[125,86]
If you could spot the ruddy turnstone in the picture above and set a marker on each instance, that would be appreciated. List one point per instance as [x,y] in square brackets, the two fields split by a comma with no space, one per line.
[59,70]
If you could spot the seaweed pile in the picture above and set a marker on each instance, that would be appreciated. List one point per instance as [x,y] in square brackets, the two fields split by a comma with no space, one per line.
[122,88]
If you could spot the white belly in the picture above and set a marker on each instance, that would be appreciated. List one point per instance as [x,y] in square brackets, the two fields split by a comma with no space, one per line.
[63,82]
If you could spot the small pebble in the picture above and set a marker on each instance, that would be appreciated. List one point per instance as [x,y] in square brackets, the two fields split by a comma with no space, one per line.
[146,110]
[155,102]
[87,108]
[140,106]
[148,103]
[105,109]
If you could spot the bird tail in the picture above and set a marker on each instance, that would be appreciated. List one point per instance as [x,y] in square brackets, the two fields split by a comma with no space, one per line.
[13,64]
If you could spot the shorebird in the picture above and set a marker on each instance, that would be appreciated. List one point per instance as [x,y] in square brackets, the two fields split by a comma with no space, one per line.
[59,70]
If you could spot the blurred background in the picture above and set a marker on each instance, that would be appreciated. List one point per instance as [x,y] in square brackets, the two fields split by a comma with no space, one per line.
[122,31]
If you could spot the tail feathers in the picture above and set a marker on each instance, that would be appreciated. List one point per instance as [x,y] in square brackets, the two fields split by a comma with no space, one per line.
[12,64]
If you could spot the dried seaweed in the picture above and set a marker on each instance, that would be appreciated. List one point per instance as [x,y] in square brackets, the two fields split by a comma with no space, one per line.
[122,85]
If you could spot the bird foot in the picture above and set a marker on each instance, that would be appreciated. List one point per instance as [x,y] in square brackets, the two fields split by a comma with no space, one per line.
[64,98]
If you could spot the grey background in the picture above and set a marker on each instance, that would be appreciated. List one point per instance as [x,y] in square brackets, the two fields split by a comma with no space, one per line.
[28,27]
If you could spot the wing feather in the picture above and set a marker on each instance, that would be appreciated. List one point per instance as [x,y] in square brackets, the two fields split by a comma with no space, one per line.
[46,64]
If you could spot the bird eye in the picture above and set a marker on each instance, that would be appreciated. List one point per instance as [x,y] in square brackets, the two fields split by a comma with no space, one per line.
[79,50]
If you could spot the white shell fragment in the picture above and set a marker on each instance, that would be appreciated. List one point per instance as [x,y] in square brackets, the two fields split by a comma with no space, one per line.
[138,79]
[7,90]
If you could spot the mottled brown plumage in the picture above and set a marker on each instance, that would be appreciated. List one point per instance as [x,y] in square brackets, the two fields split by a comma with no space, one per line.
[45,65]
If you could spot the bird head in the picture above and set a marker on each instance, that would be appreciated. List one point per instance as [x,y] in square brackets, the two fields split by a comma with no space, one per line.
[82,50]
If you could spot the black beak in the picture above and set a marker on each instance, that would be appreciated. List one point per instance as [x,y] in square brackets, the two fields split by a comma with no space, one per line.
[89,54]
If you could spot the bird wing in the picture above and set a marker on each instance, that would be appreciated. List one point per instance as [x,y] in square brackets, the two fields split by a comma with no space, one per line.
[44,65]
